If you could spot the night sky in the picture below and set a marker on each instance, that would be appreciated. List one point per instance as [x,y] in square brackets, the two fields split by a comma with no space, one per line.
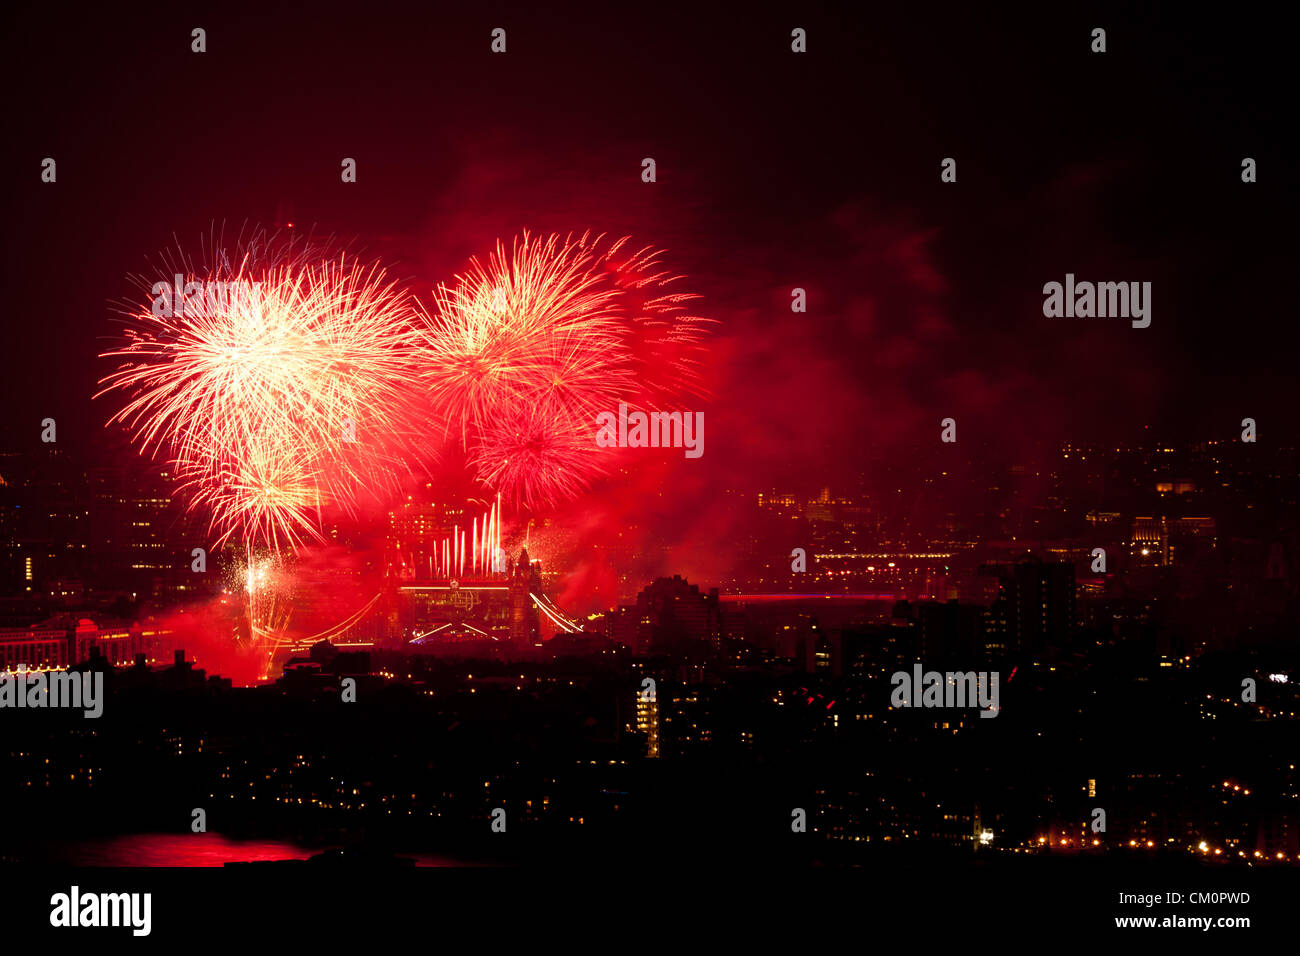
[775,170]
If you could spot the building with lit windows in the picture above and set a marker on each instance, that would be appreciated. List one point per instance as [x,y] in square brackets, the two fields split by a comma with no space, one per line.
[37,648]
[647,720]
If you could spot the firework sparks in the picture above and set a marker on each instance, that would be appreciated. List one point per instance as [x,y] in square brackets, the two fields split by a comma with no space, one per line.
[297,386]
[276,388]
[663,339]
[524,351]
[537,457]
[265,583]
[527,321]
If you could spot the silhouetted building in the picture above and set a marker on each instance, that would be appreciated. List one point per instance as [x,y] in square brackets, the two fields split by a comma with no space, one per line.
[677,614]
[1034,608]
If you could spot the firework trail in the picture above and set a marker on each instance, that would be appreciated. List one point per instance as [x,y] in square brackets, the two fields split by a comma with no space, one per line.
[276,377]
[265,582]
[277,386]
[524,351]
[528,320]
[268,490]
[664,340]
[536,457]
[284,379]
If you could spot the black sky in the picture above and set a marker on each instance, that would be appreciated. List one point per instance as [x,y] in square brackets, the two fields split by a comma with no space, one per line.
[775,171]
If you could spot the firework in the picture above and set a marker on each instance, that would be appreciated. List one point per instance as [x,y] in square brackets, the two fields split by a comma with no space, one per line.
[664,340]
[524,351]
[476,550]
[276,386]
[269,490]
[299,393]
[264,580]
[529,321]
[537,456]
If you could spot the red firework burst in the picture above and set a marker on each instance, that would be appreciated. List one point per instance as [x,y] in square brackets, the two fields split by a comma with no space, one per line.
[537,457]
[530,321]
[275,386]
[662,337]
[524,351]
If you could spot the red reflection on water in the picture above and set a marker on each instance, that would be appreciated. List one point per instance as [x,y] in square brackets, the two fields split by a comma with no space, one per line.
[191,849]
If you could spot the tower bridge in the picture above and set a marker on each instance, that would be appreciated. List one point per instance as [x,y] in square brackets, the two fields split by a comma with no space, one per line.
[507,606]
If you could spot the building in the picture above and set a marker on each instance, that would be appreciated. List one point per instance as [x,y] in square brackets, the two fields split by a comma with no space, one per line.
[525,581]
[39,648]
[1034,608]
[647,719]
[479,608]
[677,614]
[66,640]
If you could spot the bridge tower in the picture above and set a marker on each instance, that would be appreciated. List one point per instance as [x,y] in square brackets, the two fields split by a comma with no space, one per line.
[525,625]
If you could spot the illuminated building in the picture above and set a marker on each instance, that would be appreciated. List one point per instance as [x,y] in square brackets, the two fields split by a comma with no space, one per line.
[647,720]
[118,644]
[67,640]
[491,607]
[525,581]
[38,648]
[1149,541]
